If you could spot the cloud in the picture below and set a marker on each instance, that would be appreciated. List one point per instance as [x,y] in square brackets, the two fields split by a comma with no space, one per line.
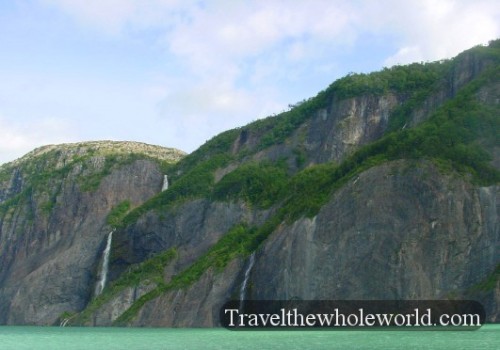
[227,38]
[217,35]
[208,99]
[198,113]
[112,17]
[20,138]
[431,30]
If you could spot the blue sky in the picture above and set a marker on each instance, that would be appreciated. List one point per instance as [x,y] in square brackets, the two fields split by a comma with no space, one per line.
[175,73]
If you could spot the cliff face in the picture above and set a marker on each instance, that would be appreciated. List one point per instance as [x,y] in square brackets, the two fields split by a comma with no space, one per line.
[384,186]
[398,231]
[53,223]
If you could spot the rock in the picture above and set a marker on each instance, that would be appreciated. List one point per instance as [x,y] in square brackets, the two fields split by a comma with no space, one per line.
[50,253]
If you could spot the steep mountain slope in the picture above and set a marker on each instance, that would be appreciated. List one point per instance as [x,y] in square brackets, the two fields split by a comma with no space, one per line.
[55,202]
[383,186]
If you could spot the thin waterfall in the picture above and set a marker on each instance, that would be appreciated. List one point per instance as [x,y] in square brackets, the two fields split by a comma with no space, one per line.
[103,274]
[245,280]
[64,322]
[165,183]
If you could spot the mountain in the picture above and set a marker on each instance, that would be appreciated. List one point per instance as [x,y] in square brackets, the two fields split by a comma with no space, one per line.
[55,208]
[383,186]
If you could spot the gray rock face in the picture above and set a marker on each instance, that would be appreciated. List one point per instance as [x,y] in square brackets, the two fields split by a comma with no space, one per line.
[335,132]
[197,306]
[347,124]
[192,228]
[110,311]
[50,257]
[396,232]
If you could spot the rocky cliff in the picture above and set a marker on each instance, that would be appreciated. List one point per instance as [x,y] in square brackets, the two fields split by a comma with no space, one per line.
[54,210]
[384,186]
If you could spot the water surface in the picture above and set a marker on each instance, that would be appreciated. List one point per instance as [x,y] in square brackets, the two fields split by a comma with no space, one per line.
[55,338]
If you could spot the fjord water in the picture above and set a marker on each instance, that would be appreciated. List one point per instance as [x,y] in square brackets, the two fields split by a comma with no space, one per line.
[72,338]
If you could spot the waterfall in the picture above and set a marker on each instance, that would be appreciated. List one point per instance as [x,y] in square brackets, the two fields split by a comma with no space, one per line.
[245,280]
[64,321]
[165,183]
[103,274]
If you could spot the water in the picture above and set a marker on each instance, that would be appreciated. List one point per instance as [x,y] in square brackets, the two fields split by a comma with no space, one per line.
[165,183]
[103,275]
[245,280]
[76,338]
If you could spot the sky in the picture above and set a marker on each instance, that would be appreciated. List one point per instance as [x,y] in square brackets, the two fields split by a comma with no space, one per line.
[176,72]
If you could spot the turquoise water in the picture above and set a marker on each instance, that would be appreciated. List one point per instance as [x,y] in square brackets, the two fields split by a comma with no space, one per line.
[55,338]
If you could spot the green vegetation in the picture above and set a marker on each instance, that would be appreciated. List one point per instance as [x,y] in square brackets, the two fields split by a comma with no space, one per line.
[13,202]
[489,283]
[413,83]
[300,157]
[236,242]
[239,241]
[454,134]
[66,314]
[197,183]
[89,182]
[259,184]
[218,146]
[451,138]
[149,271]
[192,177]
[275,130]
[400,79]
[311,189]
[418,79]
[118,213]
[41,174]
[43,177]
[48,206]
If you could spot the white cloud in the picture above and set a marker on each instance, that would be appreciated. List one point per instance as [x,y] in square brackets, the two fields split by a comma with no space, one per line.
[432,30]
[20,138]
[206,99]
[114,16]
[198,113]
[216,35]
